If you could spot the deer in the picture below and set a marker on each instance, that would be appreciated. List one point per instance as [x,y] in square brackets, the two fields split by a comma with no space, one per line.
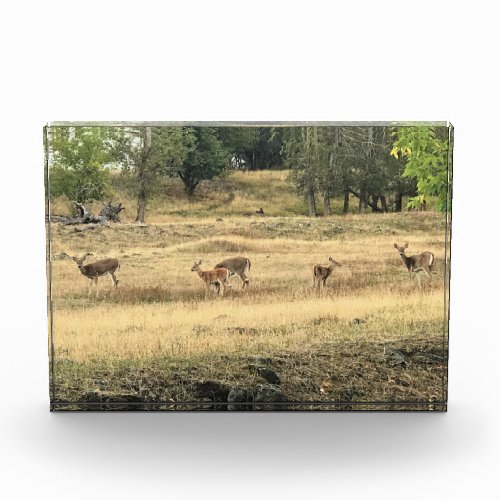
[237,266]
[322,273]
[218,277]
[416,263]
[96,269]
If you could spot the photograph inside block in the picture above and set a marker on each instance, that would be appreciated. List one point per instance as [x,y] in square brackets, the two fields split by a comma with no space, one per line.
[244,267]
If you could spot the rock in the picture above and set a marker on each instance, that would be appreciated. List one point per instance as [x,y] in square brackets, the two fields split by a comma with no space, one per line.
[268,396]
[394,357]
[358,321]
[239,395]
[214,391]
[111,401]
[268,374]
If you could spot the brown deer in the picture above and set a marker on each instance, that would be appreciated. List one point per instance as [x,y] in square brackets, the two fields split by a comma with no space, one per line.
[416,263]
[237,266]
[96,269]
[218,277]
[321,273]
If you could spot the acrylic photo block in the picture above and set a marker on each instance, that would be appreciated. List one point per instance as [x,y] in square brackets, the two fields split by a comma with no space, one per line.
[220,266]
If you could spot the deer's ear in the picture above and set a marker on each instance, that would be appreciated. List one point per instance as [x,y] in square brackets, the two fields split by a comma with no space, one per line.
[406,245]
[395,245]
[75,259]
[330,259]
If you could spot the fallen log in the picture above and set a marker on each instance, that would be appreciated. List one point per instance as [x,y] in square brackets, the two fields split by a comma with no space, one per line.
[108,213]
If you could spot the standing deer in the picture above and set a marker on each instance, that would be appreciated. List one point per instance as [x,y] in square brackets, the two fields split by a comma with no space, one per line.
[416,263]
[96,269]
[237,266]
[218,277]
[321,273]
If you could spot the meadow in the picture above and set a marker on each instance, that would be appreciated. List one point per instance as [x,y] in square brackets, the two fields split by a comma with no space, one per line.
[370,335]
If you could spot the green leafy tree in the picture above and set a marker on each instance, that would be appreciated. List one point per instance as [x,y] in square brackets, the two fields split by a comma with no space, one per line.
[80,162]
[426,151]
[147,153]
[306,155]
[206,158]
[254,148]
[239,141]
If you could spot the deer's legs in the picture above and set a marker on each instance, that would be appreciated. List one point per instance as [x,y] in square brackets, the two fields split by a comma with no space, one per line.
[96,287]
[115,281]
[246,280]
[419,279]
[91,280]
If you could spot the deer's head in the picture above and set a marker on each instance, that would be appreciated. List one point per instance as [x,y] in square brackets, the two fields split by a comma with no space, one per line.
[196,266]
[401,250]
[334,262]
[79,261]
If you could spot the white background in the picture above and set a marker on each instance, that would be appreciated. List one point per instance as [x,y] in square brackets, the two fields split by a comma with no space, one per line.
[253,60]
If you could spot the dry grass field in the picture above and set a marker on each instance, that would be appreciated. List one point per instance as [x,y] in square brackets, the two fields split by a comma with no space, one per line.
[370,335]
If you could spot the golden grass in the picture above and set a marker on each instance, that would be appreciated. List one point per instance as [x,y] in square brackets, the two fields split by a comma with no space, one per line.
[236,195]
[162,309]
[162,337]
[190,330]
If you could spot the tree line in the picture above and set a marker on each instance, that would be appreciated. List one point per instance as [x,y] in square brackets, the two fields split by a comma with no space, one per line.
[377,165]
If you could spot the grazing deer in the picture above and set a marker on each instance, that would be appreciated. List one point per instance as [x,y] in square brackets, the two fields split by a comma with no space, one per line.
[416,263]
[218,277]
[321,273]
[237,266]
[96,269]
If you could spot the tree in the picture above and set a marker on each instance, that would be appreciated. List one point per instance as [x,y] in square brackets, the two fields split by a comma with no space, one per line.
[254,148]
[426,153]
[80,162]
[146,153]
[205,158]
[331,172]
[306,156]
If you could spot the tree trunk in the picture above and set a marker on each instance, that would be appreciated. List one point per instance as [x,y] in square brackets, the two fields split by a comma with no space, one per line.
[190,188]
[362,201]
[375,203]
[326,204]
[399,202]
[383,202]
[142,191]
[311,201]
[141,207]
[345,209]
